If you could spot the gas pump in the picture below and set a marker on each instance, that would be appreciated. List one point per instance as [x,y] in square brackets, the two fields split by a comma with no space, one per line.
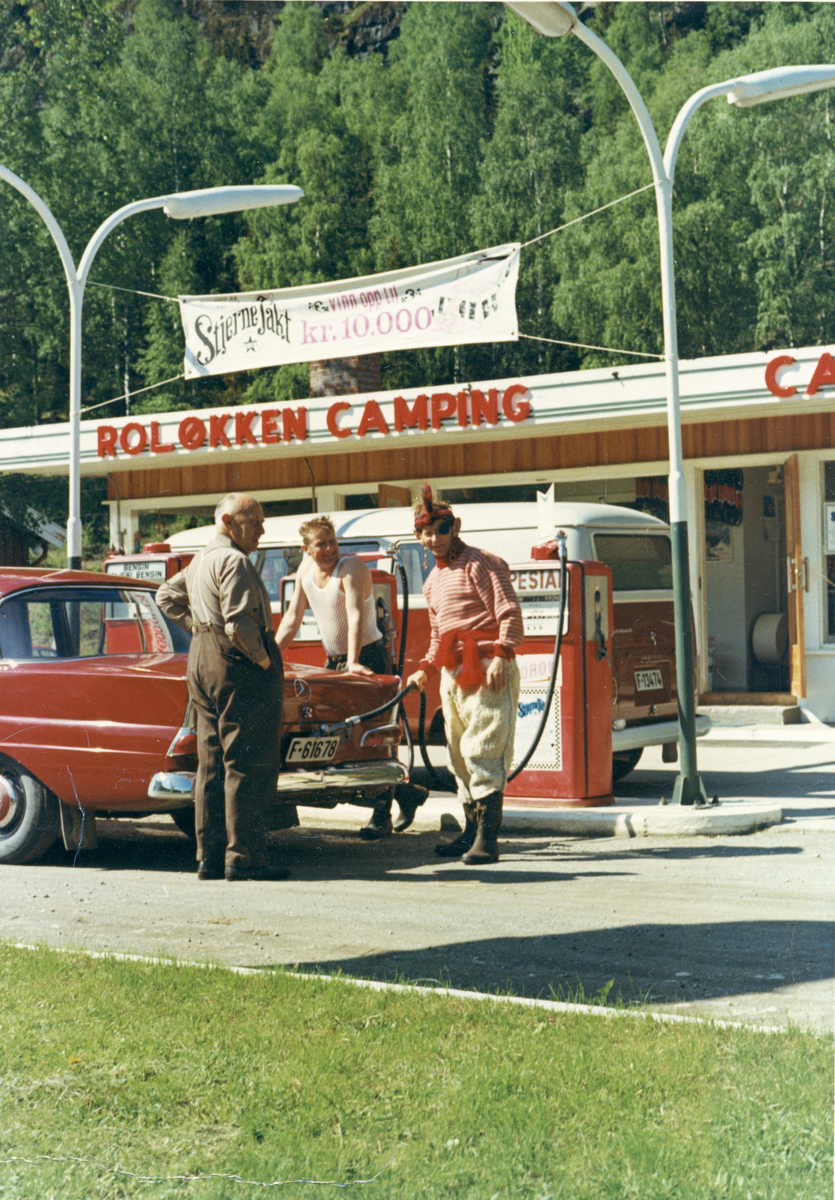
[571,764]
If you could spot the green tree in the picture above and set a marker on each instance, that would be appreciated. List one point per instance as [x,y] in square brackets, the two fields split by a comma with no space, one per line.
[529,161]
[434,111]
[306,136]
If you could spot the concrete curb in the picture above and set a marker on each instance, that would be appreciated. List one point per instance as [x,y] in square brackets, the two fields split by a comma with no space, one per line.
[617,820]
[644,821]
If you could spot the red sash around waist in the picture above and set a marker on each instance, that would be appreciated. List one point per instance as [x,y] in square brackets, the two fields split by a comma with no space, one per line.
[461,646]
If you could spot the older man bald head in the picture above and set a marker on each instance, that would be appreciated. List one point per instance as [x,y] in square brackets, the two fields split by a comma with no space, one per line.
[241,518]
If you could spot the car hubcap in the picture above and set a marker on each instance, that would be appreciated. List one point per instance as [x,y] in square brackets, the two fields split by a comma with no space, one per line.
[11,802]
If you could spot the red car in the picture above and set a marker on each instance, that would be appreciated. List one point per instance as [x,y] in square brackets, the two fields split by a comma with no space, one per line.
[93,716]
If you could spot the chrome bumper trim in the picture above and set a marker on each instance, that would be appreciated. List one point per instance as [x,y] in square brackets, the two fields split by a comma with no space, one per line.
[635,736]
[168,786]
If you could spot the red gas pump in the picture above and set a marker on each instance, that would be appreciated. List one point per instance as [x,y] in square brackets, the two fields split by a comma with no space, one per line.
[571,766]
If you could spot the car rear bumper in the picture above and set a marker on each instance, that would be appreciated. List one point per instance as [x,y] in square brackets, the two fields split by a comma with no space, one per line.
[175,788]
[635,736]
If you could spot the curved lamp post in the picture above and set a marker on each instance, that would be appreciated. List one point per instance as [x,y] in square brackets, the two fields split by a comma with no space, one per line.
[180,205]
[554,19]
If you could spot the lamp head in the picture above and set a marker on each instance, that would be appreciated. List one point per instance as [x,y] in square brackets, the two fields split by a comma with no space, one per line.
[211,201]
[548,17]
[779,83]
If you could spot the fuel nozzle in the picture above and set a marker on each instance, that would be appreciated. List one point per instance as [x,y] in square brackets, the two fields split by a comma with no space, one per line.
[562,538]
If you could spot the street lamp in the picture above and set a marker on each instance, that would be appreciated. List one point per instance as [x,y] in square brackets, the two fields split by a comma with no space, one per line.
[554,19]
[180,205]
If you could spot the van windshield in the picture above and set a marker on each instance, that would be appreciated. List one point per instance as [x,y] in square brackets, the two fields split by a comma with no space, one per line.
[640,563]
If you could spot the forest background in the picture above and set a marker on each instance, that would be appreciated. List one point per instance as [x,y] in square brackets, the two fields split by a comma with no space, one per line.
[417,131]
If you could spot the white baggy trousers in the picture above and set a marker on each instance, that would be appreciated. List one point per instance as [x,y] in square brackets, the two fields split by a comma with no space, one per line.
[480,729]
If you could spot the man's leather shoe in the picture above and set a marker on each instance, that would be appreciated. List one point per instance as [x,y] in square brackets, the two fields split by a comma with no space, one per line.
[233,874]
[210,870]
[380,824]
[409,797]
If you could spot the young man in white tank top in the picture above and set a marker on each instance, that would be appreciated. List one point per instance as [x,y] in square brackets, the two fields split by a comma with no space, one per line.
[339,590]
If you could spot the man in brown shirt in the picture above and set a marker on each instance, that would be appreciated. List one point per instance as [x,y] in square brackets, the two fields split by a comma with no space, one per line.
[236,683]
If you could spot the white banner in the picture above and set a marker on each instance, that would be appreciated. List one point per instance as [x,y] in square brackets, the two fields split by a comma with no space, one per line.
[466,299]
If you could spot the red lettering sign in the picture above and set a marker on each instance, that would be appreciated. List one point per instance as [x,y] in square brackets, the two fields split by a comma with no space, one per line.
[217,430]
[782,360]
[269,427]
[417,415]
[107,435]
[487,409]
[516,412]
[333,413]
[141,442]
[192,433]
[463,409]
[824,374]
[294,424]
[467,407]
[372,418]
[444,405]
[243,429]
[158,447]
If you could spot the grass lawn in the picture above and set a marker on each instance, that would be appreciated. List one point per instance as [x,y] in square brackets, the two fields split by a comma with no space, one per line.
[166,1070]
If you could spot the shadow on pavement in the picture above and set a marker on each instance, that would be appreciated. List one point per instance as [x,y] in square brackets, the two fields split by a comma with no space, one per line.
[791,780]
[666,964]
[320,853]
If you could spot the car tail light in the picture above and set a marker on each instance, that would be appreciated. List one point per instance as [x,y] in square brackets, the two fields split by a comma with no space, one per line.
[185,743]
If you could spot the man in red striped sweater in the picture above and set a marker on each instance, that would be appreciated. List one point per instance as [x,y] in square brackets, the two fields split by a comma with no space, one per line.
[476,627]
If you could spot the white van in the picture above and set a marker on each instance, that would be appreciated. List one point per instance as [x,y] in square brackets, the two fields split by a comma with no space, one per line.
[634,545]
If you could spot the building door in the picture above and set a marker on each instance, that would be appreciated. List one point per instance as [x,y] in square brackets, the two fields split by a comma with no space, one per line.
[797,571]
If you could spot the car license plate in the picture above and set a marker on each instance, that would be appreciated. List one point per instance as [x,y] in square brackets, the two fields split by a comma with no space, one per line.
[648,681]
[311,750]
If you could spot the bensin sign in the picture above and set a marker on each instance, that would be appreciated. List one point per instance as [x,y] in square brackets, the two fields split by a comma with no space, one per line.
[273,426]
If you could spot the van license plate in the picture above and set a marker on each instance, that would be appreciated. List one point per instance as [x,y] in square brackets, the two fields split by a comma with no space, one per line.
[311,750]
[648,681]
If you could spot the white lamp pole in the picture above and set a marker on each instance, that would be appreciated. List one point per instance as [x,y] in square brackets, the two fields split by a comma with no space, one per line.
[180,205]
[554,19]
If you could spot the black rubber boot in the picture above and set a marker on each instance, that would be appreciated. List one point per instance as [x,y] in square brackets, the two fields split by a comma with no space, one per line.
[409,797]
[380,824]
[485,848]
[464,840]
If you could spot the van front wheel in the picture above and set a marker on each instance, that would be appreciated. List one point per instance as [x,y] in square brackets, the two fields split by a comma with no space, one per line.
[625,761]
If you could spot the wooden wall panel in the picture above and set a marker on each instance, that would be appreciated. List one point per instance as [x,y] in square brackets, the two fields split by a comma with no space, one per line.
[762,435]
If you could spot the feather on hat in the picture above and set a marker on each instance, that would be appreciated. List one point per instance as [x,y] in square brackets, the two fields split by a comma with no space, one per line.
[427,509]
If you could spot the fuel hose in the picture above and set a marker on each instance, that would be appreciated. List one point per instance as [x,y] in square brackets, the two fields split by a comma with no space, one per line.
[555,663]
[341,727]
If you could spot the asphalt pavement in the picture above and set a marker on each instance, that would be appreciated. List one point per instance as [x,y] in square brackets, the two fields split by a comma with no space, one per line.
[708,923]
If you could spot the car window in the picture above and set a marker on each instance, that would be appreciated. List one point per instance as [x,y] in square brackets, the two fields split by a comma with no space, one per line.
[274,564]
[640,563]
[85,623]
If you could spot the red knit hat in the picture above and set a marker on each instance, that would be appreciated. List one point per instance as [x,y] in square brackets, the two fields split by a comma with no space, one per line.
[427,509]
